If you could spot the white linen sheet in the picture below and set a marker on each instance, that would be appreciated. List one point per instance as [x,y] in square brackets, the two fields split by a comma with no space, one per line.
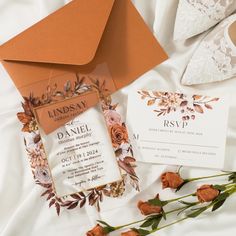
[24,213]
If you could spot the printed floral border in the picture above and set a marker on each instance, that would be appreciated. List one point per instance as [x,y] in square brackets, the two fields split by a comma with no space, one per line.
[118,133]
[167,102]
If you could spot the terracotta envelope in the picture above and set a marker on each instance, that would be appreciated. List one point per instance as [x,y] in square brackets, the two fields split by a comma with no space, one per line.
[83,47]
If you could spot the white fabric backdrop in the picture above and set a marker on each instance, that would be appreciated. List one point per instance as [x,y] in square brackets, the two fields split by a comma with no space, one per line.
[23,212]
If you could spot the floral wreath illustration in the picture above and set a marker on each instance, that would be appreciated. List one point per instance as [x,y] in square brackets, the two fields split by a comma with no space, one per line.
[118,133]
[168,102]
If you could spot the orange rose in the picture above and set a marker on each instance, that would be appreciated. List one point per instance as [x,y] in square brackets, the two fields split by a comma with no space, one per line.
[118,135]
[130,233]
[171,180]
[206,193]
[147,208]
[96,231]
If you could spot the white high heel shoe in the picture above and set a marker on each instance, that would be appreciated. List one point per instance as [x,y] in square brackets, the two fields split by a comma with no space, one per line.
[196,16]
[215,59]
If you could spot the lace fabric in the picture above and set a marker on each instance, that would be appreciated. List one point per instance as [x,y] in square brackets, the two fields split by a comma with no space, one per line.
[215,59]
[196,16]
[214,9]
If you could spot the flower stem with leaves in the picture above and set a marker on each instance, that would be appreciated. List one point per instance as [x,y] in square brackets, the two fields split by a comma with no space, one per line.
[151,223]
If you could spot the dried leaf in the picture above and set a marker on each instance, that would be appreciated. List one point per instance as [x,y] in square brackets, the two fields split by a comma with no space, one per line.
[82,203]
[44,97]
[157,202]
[92,201]
[157,222]
[52,202]
[48,89]
[91,196]
[25,142]
[58,208]
[25,128]
[66,204]
[59,199]
[157,94]
[82,194]
[37,138]
[151,102]
[23,117]
[129,159]
[59,94]
[222,196]
[184,103]
[82,80]
[145,92]
[198,108]
[147,223]
[197,212]
[75,196]
[50,196]
[126,167]
[27,108]
[77,77]
[113,107]
[214,100]
[118,152]
[208,106]
[98,207]
[77,87]
[197,97]
[46,192]
[217,205]
[93,81]
[47,186]
[103,84]
[67,86]
[101,197]
[73,205]
[141,232]
[106,192]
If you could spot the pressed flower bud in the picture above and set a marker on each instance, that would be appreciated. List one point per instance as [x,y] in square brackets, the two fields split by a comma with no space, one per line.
[147,208]
[130,233]
[171,180]
[207,193]
[96,231]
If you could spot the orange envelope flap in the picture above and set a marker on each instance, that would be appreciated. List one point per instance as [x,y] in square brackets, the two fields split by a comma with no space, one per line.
[104,39]
[70,35]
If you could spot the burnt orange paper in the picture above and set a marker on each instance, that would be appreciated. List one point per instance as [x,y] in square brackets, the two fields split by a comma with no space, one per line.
[53,116]
[76,39]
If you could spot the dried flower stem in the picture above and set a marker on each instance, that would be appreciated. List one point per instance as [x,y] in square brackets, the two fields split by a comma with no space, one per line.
[231,189]
[207,177]
[150,224]
[179,198]
[167,225]
[194,194]
[140,221]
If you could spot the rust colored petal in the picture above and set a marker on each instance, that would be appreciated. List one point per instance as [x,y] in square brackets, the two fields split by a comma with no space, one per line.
[118,135]
[171,180]
[96,231]
[130,233]
[206,193]
[147,209]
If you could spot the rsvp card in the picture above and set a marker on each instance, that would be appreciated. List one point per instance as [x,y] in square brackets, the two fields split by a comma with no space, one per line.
[178,129]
